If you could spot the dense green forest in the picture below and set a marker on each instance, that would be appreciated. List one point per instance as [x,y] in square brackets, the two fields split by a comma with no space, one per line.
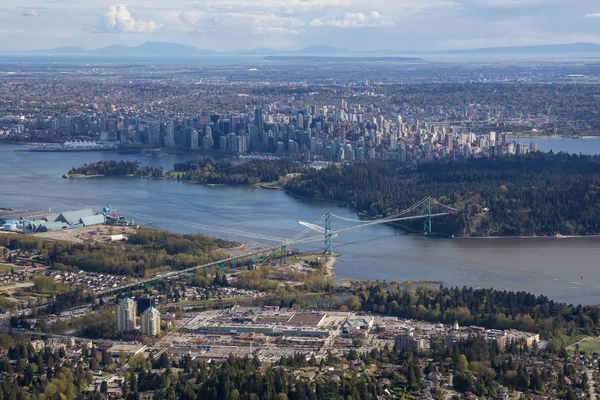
[249,173]
[147,250]
[206,171]
[537,194]
[115,168]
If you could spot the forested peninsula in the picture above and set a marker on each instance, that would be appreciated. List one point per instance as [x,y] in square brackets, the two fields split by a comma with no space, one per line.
[539,194]
[204,172]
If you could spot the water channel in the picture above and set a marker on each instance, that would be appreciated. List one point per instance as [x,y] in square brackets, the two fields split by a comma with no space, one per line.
[564,269]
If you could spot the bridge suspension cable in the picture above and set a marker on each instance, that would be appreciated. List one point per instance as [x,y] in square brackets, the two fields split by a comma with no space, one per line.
[292,240]
[443,205]
[226,230]
[267,253]
[403,212]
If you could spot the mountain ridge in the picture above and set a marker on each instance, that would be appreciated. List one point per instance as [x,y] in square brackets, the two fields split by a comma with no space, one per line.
[167,48]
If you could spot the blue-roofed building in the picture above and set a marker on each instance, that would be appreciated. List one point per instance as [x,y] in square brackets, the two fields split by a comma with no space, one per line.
[51,226]
[74,217]
[93,220]
[11,222]
[43,222]
[30,223]
[51,217]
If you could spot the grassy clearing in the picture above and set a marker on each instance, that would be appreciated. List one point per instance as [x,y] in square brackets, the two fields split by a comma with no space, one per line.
[590,346]
[8,268]
[571,340]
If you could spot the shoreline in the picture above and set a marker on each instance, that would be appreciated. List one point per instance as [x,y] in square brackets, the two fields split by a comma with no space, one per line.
[595,236]
[330,266]
[169,178]
[81,176]
[554,137]
[186,151]
[317,199]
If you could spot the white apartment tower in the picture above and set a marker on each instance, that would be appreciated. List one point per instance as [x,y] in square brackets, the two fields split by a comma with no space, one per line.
[126,311]
[151,322]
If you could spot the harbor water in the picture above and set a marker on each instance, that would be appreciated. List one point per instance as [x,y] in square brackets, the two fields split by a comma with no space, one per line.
[564,269]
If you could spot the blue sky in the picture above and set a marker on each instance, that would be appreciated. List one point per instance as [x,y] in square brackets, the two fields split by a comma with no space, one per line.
[292,24]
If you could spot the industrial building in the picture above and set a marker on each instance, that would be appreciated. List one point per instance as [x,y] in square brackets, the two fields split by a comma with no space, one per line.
[266,322]
[43,222]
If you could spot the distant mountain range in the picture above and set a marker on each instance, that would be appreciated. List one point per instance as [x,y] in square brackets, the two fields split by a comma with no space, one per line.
[364,58]
[148,48]
[542,49]
[162,48]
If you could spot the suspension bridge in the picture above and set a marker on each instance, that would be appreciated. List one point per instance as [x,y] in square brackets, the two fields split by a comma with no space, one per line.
[324,232]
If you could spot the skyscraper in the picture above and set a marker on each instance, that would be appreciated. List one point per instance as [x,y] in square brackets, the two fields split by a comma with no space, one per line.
[191,138]
[533,147]
[154,133]
[151,322]
[169,134]
[259,121]
[194,139]
[126,311]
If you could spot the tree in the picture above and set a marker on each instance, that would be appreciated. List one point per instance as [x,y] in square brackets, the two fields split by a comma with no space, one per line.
[93,363]
[570,395]
[353,302]
[104,387]
[163,361]
[462,365]
[439,394]
[106,359]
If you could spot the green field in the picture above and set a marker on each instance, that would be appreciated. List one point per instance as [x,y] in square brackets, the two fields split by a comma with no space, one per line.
[7,268]
[590,346]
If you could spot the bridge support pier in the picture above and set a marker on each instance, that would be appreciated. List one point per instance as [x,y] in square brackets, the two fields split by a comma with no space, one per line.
[283,254]
[328,236]
[427,221]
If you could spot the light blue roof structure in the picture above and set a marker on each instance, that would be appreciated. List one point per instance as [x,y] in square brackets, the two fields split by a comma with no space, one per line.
[93,220]
[52,226]
[51,217]
[73,217]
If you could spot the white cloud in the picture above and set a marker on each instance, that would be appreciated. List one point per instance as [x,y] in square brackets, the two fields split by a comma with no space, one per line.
[189,17]
[119,19]
[246,18]
[273,25]
[355,20]
[179,21]
[231,24]
[31,13]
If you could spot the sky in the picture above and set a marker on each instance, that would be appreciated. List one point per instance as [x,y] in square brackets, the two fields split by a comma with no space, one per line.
[293,24]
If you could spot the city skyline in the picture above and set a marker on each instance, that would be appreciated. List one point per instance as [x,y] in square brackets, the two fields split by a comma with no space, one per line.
[284,25]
